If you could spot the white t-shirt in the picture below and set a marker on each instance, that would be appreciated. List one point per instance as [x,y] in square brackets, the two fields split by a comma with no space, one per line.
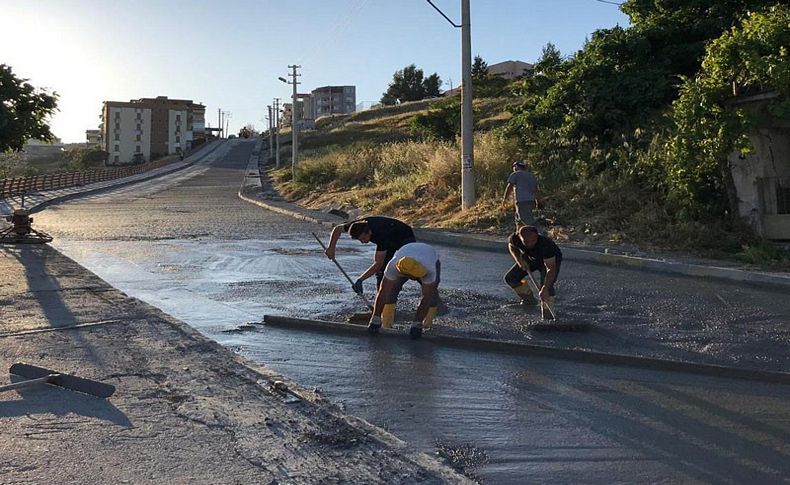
[422,253]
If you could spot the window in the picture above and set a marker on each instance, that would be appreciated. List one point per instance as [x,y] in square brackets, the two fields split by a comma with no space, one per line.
[117,137]
[178,117]
[117,115]
[139,126]
[117,126]
[138,137]
[178,139]
[116,158]
[117,148]
[137,149]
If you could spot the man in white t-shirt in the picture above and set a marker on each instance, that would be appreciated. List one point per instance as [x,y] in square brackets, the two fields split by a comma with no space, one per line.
[413,261]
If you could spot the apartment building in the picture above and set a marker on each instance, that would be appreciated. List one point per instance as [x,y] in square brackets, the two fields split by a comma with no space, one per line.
[150,128]
[93,138]
[330,100]
[304,113]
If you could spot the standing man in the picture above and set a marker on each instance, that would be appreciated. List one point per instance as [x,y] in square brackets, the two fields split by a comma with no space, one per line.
[386,233]
[526,193]
[533,252]
[414,261]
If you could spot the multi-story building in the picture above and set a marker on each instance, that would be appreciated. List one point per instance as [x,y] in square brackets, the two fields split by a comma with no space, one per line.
[93,138]
[330,100]
[150,128]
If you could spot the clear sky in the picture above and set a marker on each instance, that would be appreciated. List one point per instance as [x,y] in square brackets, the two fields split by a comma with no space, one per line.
[229,55]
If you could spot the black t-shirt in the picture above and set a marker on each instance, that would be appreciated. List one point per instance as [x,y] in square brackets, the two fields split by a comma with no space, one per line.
[544,249]
[387,234]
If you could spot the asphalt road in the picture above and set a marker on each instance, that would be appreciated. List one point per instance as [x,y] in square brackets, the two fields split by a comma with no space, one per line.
[189,246]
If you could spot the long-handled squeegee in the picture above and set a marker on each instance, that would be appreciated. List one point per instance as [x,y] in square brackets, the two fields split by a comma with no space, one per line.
[36,376]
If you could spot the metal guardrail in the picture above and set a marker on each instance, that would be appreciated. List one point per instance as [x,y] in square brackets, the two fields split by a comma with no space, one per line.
[36,183]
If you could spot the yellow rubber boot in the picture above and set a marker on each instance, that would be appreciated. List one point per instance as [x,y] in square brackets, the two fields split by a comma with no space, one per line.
[388,315]
[427,322]
[527,298]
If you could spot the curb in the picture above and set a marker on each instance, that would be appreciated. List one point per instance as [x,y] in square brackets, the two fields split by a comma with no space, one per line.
[576,355]
[633,262]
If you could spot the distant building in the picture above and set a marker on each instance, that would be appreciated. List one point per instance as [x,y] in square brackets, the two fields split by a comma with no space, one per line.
[41,149]
[506,70]
[93,138]
[304,113]
[150,128]
[511,69]
[330,100]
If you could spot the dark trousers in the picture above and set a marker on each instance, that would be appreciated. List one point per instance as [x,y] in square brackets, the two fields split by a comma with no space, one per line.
[393,296]
[515,274]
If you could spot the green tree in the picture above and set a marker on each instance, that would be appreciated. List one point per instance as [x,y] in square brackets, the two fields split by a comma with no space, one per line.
[753,58]
[410,84]
[85,158]
[479,68]
[23,111]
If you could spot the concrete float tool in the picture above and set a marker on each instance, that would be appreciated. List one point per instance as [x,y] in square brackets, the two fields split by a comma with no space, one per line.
[37,376]
[356,316]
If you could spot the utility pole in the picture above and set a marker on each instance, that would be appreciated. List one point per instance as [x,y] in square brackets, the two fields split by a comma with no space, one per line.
[277,132]
[467,153]
[467,144]
[226,120]
[294,124]
[271,133]
[219,121]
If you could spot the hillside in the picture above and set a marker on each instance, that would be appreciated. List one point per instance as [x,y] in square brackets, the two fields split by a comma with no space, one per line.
[374,162]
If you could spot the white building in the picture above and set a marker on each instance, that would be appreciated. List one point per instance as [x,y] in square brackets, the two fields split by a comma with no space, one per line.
[150,128]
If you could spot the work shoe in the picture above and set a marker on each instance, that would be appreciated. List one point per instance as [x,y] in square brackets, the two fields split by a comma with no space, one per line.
[415,331]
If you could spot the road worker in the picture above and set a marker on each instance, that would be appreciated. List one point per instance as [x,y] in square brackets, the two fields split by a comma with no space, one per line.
[386,233]
[413,261]
[533,252]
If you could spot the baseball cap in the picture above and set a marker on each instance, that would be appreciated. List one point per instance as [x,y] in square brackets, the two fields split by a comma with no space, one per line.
[519,163]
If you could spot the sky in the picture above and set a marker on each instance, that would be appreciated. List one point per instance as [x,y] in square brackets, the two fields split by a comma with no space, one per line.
[229,55]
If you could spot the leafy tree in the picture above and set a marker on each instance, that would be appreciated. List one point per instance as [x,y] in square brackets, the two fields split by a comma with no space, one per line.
[479,68]
[410,84]
[85,158]
[750,59]
[23,111]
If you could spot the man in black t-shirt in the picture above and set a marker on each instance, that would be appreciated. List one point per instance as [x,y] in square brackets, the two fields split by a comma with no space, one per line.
[533,252]
[386,233]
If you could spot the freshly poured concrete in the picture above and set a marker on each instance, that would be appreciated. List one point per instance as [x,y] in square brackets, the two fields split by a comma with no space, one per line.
[191,248]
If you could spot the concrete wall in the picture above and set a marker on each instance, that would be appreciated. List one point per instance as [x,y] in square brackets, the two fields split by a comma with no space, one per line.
[756,196]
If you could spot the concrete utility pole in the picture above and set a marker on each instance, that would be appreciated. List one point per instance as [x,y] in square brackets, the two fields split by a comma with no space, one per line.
[467,153]
[277,132]
[467,144]
[294,124]
[219,121]
[227,121]
[271,134]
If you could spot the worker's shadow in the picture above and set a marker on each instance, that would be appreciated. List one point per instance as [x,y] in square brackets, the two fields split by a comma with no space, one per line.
[47,399]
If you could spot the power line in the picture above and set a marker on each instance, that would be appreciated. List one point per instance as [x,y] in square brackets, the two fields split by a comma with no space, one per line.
[610,3]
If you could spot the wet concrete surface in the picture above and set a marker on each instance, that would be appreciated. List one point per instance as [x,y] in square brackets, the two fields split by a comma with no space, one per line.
[190,247]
